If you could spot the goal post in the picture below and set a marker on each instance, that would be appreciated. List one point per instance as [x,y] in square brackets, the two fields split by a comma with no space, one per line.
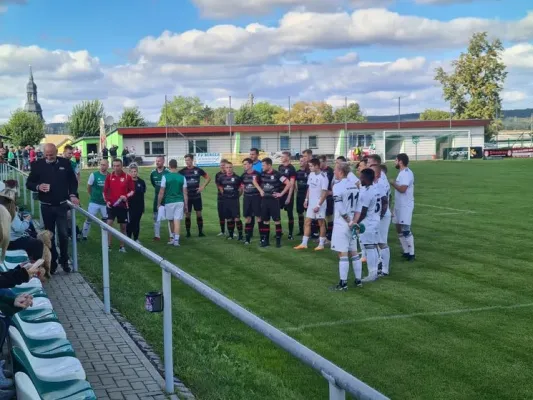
[452,144]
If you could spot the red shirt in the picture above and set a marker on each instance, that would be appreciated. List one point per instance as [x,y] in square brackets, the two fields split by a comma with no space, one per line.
[32,155]
[116,186]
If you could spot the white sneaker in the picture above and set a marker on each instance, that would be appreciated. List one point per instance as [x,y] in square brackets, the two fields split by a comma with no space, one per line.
[170,242]
[370,278]
[122,249]
[176,243]
[221,234]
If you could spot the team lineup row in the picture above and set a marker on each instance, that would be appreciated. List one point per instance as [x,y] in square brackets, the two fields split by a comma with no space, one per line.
[348,212]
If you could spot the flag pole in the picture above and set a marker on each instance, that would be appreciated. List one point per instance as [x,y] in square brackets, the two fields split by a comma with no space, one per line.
[166,128]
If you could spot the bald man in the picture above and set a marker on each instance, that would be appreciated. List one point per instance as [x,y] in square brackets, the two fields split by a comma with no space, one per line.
[55,181]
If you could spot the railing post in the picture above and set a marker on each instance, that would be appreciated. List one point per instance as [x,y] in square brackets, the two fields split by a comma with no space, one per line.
[167,332]
[25,191]
[336,393]
[105,271]
[74,240]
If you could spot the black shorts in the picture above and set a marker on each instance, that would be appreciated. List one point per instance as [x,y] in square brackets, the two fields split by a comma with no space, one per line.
[231,208]
[251,206]
[300,200]
[286,207]
[195,203]
[118,213]
[329,206]
[270,209]
[220,208]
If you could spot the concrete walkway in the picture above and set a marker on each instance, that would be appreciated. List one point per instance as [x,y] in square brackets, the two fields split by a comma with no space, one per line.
[115,366]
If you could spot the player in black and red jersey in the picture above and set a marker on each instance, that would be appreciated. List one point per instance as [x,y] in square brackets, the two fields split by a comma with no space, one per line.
[301,192]
[229,186]
[273,186]
[329,200]
[252,198]
[287,202]
[192,175]
[220,206]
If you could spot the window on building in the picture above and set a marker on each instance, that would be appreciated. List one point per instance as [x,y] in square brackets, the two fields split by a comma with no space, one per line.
[198,146]
[369,140]
[284,143]
[313,142]
[256,142]
[154,148]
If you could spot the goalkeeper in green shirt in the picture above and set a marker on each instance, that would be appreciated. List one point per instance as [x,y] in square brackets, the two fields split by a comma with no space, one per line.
[156,176]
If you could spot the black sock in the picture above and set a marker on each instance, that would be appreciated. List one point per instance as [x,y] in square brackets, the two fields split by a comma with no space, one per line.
[239,227]
[222,226]
[188,224]
[279,231]
[248,230]
[231,227]
[200,222]
[301,221]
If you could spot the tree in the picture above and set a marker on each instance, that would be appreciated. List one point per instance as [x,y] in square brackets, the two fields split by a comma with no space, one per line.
[432,114]
[220,114]
[352,113]
[24,128]
[265,112]
[246,115]
[474,86]
[316,112]
[206,116]
[182,111]
[85,119]
[131,117]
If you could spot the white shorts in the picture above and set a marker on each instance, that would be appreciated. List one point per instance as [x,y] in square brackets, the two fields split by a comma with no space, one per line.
[94,209]
[174,211]
[371,234]
[341,238]
[384,224]
[321,214]
[403,215]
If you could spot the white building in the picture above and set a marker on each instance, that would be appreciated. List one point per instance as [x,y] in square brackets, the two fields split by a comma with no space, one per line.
[421,140]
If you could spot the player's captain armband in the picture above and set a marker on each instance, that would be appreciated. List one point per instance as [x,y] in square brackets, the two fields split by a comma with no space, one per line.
[282,179]
[337,199]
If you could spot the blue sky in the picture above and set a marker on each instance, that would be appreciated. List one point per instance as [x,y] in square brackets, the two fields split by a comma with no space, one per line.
[113,34]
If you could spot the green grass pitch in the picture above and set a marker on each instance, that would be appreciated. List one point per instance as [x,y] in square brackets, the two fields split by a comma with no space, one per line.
[456,324]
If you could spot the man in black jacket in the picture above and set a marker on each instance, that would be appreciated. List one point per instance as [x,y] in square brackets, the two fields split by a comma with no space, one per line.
[55,181]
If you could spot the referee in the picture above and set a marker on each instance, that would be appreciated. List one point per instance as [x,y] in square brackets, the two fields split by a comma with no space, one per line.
[55,181]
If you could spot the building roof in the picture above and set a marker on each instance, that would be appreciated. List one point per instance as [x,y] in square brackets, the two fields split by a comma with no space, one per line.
[58,140]
[85,138]
[354,126]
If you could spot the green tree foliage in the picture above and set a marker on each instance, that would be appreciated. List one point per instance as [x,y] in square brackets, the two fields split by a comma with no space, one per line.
[246,115]
[352,113]
[220,114]
[206,116]
[432,114]
[85,119]
[474,86]
[182,111]
[131,117]
[265,112]
[316,112]
[24,128]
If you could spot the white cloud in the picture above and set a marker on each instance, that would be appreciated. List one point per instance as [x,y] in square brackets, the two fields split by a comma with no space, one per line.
[59,118]
[350,57]
[513,96]
[443,1]
[519,56]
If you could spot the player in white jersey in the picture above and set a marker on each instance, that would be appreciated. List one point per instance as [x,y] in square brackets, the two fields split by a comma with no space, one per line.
[345,195]
[351,176]
[383,190]
[404,203]
[315,202]
[368,213]
[375,159]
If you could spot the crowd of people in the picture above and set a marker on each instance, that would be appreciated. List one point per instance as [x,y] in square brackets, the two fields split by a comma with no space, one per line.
[349,212]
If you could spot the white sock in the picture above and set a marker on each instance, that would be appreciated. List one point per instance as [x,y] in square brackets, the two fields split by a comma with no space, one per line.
[344,266]
[363,251]
[372,262]
[357,267]
[410,242]
[403,243]
[157,229]
[321,241]
[86,228]
[176,237]
[385,260]
[305,239]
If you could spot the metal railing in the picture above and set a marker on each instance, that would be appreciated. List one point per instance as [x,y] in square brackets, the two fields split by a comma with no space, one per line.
[339,380]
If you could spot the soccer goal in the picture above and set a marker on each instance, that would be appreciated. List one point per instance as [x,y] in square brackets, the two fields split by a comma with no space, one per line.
[431,144]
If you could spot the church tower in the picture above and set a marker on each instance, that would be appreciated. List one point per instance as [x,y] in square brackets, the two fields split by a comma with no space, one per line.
[32,105]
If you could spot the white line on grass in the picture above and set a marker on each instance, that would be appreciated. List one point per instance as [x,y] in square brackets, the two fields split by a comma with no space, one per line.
[405,316]
[445,208]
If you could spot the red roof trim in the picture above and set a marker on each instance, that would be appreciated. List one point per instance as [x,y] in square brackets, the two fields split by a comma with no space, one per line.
[359,126]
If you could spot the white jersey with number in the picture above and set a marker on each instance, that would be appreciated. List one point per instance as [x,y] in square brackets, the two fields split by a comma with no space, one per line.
[345,196]
[369,198]
[383,190]
[407,199]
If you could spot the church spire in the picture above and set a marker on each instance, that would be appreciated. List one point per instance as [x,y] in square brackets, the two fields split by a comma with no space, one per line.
[32,105]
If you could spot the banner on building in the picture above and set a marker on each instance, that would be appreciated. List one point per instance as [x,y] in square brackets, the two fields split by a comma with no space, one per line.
[461,153]
[208,159]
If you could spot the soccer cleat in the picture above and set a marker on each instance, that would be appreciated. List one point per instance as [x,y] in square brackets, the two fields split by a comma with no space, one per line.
[201,234]
[319,248]
[176,243]
[342,286]
[358,283]
[240,239]
[221,234]
[122,249]
[84,238]
[370,278]
[66,268]
[157,238]
[300,247]
[290,237]
[109,248]
[405,255]
[411,258]
[230,237]
[264,243]
[246,242]
[170,242]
